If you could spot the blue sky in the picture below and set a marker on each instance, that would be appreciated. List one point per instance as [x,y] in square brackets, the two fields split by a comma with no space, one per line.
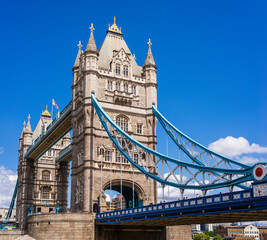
[211,58]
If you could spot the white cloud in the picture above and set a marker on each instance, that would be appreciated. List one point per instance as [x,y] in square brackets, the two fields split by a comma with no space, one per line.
[1,150]
[107,197]
[7,182]
[233,147]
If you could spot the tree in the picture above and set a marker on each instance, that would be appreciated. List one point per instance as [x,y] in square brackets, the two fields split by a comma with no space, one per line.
[209,233]
[200,236]
[218,237]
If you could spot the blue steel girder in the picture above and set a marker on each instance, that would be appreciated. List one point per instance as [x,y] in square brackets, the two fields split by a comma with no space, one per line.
[54,132]
[11,206]
[65,155]
[149,165]
[194,150]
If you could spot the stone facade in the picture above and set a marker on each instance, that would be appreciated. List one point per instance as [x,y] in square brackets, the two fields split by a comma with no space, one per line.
[126,91]
[42,183]
[62,226]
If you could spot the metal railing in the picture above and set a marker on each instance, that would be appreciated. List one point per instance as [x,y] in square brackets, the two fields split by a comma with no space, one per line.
[64,152]
[49,129]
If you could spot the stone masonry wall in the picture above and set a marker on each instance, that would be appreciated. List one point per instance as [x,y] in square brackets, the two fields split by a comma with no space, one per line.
[63,226]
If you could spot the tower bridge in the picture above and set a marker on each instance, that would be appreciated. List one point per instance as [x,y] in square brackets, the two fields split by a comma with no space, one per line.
[113,116]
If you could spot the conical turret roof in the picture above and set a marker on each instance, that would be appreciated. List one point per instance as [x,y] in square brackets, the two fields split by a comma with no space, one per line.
[91,46]
[77,61]
[149,57]
[28,128]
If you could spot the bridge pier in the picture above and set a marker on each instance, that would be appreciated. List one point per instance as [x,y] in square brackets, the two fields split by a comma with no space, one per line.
[81,226]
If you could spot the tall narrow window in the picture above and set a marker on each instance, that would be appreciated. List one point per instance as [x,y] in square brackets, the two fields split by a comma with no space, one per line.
[136,157]
[126,88]
[118,86]
[139,128]
[118,69]
[110,85]
[108,155]
[118,156]
[46,175]
[122,122]
[134,90]
[125,71]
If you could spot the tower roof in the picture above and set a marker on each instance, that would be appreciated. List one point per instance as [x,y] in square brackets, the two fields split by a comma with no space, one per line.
[77,61]
[46,113]
[114,27]
[149,57]
[24,124]
[91,46]
[28,128]
[114,42]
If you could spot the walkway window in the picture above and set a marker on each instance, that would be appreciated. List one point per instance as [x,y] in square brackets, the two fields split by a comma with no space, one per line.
[134,90]
[108,155]
[122,122]
[139,128]
[125,71]
[118,69]
[126,88]
[46,175]
[118,86]
[110,85]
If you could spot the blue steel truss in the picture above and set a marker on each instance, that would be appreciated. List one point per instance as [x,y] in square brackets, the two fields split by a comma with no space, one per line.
[11,206]
[151,163]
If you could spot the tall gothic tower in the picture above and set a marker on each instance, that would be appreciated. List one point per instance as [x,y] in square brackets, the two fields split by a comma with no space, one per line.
[126,91]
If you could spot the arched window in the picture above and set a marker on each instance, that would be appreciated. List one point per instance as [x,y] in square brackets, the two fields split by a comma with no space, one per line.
[122,122]
[118,69]
[45,175]
[125,71]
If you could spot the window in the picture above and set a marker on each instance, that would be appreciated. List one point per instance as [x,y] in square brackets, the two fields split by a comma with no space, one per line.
[125,71]
[118,69]
[118,86]
[36,195]
[119,157]
[126,88]
[108,155]
[139,128]
[46,175]
[109,85]
[122,122]
[53,196]
[134,90]
[45,195]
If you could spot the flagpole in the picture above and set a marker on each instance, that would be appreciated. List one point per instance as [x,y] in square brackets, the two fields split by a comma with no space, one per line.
[52,110]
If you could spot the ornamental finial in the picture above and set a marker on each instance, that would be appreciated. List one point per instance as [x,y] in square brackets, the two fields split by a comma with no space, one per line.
[24,124]
[149,43]
[29,117]
[80,45]
[114,27]
[92,28]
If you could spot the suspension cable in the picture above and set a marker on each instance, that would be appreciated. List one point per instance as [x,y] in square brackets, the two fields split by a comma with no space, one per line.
[110,173]
[167,155]
[121,180]
[146,182]
[133,178]
[101,152]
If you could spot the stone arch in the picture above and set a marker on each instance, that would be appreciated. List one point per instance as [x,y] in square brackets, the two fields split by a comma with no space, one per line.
[127,191]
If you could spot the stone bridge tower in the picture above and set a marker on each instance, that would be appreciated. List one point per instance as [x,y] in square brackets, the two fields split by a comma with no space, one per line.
[126,91]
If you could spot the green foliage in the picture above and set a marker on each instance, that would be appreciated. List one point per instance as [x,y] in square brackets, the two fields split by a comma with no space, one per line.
[218,237]
[209,233]
[201,236]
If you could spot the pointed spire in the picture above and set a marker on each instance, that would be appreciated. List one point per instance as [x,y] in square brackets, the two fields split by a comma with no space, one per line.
[149,57]
[24,124]
[91,46]
[77,61]
[28,127]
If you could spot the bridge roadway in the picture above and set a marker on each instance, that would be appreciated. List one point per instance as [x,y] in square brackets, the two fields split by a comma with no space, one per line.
[54,132]
[247,205]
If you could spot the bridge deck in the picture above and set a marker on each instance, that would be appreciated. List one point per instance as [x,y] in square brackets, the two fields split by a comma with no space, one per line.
[228,207]
[65,155]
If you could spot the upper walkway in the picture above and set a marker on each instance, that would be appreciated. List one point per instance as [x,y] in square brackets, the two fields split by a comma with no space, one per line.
[54,132]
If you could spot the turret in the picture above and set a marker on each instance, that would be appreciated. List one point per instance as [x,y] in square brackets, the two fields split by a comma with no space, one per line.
[149,70]
[91,66]
[77,64]
[27,136]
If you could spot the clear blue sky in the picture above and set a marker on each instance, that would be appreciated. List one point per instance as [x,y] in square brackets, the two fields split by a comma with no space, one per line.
[211,58]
